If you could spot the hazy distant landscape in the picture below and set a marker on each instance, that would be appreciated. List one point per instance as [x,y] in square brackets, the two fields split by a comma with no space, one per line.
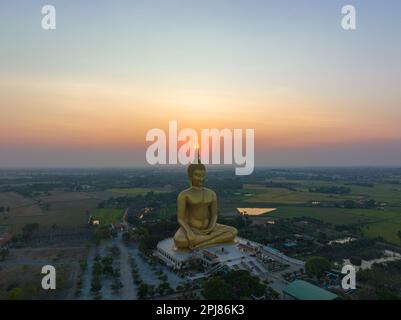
[50,214]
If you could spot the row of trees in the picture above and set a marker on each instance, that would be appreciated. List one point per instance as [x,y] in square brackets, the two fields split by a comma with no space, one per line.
[366,249]
[4,252]
[103,266]
[83,267]
[331,189]
[146,290]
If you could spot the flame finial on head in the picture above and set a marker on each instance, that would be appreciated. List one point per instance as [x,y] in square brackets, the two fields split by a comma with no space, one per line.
[196,165]
[197,154]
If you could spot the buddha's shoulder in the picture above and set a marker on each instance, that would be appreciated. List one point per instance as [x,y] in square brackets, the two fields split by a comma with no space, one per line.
[209,191]
[184,193]
[189,191]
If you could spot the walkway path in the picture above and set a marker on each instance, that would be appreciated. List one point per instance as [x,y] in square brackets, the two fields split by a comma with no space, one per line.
[128,292]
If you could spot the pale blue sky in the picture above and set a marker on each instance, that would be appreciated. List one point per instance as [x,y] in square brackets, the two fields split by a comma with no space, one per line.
[253,47]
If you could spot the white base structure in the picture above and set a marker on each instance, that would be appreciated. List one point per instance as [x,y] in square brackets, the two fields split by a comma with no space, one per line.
[240,255]
[167,252]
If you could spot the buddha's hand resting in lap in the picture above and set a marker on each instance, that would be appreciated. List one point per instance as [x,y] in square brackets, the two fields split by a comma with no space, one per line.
[191,238]
[204,231]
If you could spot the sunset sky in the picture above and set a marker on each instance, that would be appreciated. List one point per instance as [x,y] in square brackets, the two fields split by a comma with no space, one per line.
[86,93]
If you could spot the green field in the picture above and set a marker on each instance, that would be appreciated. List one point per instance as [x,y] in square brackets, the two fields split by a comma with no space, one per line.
[381,192]
[335,216]
[107,216]
[387,229]
[261,194]
[136,191]
[63,213]
[375,222]
[285,196]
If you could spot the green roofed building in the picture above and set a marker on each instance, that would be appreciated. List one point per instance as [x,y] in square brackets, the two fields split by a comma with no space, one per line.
[302,290]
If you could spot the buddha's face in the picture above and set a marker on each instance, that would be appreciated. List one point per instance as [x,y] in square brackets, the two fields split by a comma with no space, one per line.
[198,177]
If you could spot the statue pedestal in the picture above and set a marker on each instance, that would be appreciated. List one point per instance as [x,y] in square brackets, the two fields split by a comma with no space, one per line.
[177,259]
[211,257]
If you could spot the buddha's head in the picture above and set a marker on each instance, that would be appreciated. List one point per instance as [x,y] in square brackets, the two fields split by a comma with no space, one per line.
[196,174]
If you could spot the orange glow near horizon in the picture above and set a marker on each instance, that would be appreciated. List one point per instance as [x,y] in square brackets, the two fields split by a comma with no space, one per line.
[107,116]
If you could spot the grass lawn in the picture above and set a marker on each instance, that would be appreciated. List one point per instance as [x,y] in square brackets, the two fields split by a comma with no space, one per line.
[108,216]
[136,191]
[387,229]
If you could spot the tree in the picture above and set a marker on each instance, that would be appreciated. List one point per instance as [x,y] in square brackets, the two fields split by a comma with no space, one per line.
[4,253]
[107,265]
[386,294]
[151,291]
[140,233]
[126,237]
[217,289]
[316,266]
[83,264]
[164,288]
[349,204]
[97,268]
[356,260]
[29,229]
[370,203]
[115,251]
[102,232]
[14,294]
[244,284]
[322,236]
[143,290]
[96,284]
[366,293]
[116,286]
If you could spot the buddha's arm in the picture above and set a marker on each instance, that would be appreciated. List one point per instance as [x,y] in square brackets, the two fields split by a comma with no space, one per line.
[213,211]
[181,204]
[213,214]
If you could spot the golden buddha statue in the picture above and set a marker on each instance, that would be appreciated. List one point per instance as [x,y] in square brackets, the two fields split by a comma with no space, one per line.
[197,215]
